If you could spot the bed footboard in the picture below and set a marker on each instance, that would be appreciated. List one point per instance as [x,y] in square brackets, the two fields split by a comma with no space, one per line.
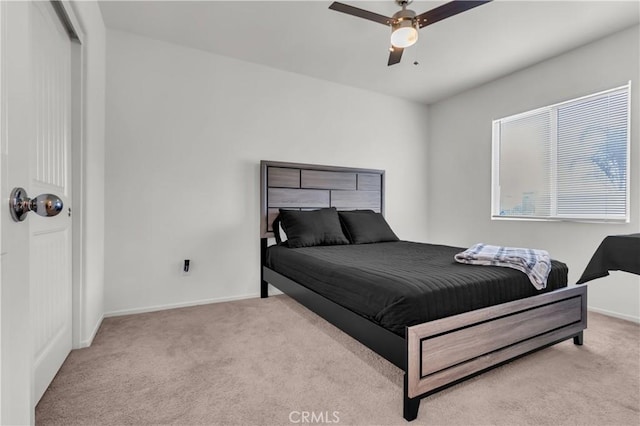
[443,352]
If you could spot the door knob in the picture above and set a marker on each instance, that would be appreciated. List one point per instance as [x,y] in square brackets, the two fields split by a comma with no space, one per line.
[20,204]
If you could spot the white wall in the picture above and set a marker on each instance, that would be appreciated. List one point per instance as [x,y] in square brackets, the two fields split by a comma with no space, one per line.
[90,295]
[186,130]
[459,163]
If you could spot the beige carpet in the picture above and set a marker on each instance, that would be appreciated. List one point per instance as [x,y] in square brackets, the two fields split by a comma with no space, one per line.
[264,362]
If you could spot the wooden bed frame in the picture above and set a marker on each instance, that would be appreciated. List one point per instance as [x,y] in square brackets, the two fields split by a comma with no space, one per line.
[436,354]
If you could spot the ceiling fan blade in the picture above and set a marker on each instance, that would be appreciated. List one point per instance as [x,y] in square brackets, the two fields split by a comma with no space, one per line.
[360,13]
[446,10]
[395,56]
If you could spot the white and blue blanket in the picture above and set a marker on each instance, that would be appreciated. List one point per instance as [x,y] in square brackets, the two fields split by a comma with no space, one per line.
[535,263]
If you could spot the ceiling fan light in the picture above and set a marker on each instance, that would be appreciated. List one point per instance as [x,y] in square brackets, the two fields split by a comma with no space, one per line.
[404,35]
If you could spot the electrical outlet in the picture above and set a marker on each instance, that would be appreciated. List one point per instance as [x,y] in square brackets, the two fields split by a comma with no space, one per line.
[186,267]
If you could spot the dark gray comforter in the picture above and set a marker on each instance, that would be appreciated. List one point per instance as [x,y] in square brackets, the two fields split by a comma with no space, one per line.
[398,284]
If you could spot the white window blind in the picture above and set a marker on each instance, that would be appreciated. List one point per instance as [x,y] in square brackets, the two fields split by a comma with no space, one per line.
[566,161]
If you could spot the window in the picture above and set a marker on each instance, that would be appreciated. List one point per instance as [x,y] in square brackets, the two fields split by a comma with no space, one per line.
[568,161]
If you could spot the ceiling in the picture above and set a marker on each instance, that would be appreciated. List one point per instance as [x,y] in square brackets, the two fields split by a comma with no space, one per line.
[305,37]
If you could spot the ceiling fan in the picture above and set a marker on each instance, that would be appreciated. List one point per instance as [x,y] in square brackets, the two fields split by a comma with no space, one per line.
[405,23]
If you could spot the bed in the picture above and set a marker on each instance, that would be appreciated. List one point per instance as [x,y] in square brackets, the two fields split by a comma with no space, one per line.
[440,322]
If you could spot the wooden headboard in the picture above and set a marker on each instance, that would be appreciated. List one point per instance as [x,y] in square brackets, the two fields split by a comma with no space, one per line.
[297,186]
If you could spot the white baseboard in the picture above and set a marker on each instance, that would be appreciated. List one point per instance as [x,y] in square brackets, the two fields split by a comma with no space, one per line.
[184,304]
[615,314]
[87,342]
